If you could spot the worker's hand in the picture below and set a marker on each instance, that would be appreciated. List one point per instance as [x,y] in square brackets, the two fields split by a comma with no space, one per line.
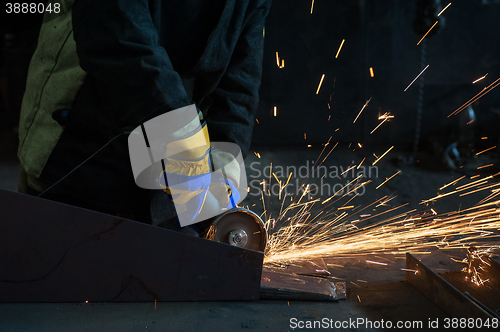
[173,152]
[225,178]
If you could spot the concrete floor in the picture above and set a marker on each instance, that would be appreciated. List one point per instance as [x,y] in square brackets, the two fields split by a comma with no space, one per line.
[382,292]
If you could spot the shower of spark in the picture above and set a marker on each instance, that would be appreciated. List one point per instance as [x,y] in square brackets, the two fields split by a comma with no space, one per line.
[307,228]
[300,233]
[477,262]
[337,235]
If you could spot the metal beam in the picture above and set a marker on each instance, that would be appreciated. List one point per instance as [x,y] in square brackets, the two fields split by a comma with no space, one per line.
[52,252]
[446,297]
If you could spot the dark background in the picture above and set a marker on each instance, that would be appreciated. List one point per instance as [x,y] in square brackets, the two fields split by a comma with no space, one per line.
[378,34]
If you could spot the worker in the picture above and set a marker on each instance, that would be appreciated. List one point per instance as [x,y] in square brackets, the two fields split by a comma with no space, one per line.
[104,68]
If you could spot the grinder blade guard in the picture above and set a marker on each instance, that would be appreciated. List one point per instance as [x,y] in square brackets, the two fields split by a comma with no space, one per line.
[239,227]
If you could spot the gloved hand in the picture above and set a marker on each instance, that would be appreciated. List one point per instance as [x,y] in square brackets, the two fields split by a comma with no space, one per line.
[186,175]
[173,152]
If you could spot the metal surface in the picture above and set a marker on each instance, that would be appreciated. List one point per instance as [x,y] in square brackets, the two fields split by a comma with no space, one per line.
[287,286]
[446,297]
[52,252]
[241,228]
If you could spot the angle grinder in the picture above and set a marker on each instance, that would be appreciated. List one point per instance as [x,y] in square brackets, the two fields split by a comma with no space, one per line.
[240,228]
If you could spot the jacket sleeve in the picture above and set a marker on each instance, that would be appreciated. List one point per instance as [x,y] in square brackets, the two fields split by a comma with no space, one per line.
[117,45]
[235,100]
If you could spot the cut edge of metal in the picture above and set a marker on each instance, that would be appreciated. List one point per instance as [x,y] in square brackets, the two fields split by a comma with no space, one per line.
[270,293]
[332,290]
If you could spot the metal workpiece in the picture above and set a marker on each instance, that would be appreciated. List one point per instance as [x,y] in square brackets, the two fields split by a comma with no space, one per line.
[443,294]
[287,286]
[53,252]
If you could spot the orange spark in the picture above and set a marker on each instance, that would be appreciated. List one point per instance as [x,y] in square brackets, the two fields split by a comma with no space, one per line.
[488,149]
[386,115]
[444,9]
[341,44]
[360,163]
[378,126]
[275,110]
[476,97]
[480,189]
[257,154]
[451,183]
[312,6]
[376,161]
[475,182]
[345,207]
[320,82]
[428,32]
[366,104]
[388,179]
[371,72]
[485,166]
[378,263]
[479,79]
[409,270]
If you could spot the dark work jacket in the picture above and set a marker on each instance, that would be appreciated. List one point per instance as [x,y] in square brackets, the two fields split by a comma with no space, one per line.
[145,58]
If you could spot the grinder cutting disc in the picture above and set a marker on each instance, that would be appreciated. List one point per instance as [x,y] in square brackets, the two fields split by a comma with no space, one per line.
[240,228]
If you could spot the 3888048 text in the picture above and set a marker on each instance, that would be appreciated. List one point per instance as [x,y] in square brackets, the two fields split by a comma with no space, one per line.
[32,8]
